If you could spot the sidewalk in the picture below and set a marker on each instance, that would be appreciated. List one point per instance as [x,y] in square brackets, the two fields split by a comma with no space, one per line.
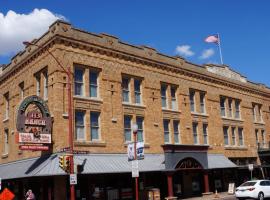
[220,196]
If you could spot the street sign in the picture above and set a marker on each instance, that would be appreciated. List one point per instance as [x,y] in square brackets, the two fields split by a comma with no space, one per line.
[135,168]
[6,195]
[250,167]
[73,179]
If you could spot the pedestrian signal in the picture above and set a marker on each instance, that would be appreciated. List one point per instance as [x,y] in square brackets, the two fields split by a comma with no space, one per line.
[61,162]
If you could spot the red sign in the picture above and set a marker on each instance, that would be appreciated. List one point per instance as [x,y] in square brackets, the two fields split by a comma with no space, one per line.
[6,195]
[34,147]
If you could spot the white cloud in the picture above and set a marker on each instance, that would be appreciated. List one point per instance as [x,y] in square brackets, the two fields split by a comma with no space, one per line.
[16,28]
[184,50]
[207,53]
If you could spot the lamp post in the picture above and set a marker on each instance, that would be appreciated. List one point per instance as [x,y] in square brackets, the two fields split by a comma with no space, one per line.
[70,114]
[135,129]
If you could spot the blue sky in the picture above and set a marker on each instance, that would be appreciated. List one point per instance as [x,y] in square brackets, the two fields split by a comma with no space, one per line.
[243,25]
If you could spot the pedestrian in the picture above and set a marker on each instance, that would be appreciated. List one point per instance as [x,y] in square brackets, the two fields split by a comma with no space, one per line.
[30,195]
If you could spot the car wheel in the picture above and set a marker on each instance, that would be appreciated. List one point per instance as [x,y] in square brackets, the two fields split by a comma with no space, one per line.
[261,196]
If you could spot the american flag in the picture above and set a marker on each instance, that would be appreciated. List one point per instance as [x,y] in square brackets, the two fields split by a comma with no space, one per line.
[212,39]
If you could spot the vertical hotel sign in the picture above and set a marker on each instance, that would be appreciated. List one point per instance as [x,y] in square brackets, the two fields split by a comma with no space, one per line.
[34,124]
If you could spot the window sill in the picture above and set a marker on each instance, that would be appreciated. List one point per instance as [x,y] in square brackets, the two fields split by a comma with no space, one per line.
[4,155]
[200,114]
[146,145]
[232,119]
[242,148]
[90,143]
[88,98]
[133,105]
[5,120]
[170,110]
[259,122]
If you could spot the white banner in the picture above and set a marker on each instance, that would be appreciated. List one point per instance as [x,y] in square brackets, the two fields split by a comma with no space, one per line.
[135,168]
[29,138]
[140,151]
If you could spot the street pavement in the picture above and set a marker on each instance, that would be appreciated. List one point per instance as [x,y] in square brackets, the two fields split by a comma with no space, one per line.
[219,196]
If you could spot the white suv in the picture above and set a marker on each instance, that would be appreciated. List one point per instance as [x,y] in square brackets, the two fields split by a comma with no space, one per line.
[257,189]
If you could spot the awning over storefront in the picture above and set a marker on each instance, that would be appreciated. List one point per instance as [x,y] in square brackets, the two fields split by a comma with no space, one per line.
[216,161]
[92,164]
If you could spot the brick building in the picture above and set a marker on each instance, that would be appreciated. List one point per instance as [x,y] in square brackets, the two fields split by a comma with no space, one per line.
[201,125]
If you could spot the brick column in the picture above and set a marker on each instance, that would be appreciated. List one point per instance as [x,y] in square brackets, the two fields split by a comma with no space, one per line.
[206,181]
[170,184]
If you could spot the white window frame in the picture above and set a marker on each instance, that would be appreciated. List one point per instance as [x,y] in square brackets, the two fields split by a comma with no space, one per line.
[233,136]
[91,71]
[237,110]
[95,127]
[176,133]
[166,132]
[140,129]
[164,99]
[136,92]
[129,129]
[226,135]
[84,135]
[6,141]
[192,100]
[195,133]
[81,83]
[174,99]
[202,102]
[126,90]
[223,109]
[242,136]
[205,134]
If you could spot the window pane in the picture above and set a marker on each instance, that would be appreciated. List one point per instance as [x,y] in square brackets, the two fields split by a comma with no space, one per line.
[237,109]
[125,89]
[233,137]
[94,134]
[192,101]
[205,134]
[79,118]
[163,96]
[176,131]
[222,107]
[93,84]
[202,95]
[139,121]
[240,135]
[166,131]
[80,133]
[78,75]
[127,128]
[230,108]
[94,123]
[225,133]
[195,134]
[78,81]
[79,125]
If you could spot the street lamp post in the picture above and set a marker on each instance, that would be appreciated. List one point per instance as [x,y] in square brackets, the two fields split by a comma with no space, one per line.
[70,114]
[135,129]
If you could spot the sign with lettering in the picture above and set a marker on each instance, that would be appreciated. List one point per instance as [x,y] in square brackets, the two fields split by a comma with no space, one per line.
[34,124]
[231,188]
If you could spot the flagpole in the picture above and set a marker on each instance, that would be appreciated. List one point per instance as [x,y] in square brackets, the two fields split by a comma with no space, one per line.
[219,46]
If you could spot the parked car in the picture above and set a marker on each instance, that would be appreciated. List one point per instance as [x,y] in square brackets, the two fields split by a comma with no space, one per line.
[256,189]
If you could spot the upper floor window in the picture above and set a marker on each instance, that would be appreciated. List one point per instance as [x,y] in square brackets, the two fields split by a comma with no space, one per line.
[6,141]
[192,100]
[257,112]
[195,133]
[202,102]
[222,107]
[94,125]
[6,98]
[79,125]
[263,138]
[237,109]
[240,136]
[137,91]
[38,84]
[233,136]
[257,136]
[205,134]
[260,113]
[79,83]
[139,121]
[226,135]
[166,131]
[21,86]
[127,128]
[230,107]
[45,85]
[93,84]
[173,98]
[176,132]
[125,89]
[164,96]
[254,112]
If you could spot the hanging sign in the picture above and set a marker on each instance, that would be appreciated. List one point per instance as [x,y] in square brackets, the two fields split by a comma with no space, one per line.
[34,124]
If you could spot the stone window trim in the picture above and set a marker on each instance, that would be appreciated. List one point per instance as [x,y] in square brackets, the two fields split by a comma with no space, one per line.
[230,108]
[197,101]
[257,113]
[133,118]
[169,96]
[132,89]
[42,83]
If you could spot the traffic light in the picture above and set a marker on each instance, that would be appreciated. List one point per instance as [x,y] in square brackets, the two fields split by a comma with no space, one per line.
[67,163]
[61,162]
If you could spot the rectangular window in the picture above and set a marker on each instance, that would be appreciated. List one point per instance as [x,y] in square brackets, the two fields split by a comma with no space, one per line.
[6,97]
[222,107]
[260,113]
[38,85]
[45,86]
[237,109]
[195,133]
[164,96]
[94,123]
[93,87]
[173,98]
[202,102]
[192,100]
[125,89]
[233,136]
[137,91]
[263,139]
[205,134]
[21,86]
[257,136]
[230,107]
[240,136]
[139,121]
[166,131]
[176,132]
[79,125]
[226,136]
[6,142]
[254,112]
[127,128]
[78,79]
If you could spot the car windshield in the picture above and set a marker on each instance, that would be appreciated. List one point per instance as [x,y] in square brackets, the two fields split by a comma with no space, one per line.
[250,183]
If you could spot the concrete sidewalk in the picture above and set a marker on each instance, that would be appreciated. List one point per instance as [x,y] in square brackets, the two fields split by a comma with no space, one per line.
[219,196]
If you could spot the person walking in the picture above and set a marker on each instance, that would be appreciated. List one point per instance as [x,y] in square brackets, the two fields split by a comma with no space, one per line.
[30,195]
